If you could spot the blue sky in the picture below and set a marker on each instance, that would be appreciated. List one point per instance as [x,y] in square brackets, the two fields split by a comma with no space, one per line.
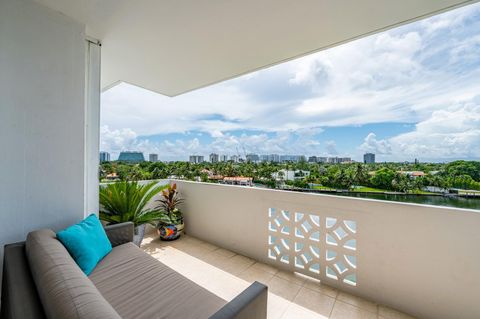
[411,92]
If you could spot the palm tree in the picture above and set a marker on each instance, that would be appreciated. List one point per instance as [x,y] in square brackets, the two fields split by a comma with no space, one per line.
[126,202]
[360,174]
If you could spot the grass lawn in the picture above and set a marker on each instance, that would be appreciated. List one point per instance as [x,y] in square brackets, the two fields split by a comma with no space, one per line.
[368,189]
[419,192]
[365,189]
[323,188]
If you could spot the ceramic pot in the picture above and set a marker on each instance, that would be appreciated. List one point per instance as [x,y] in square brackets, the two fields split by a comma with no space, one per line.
[170,232]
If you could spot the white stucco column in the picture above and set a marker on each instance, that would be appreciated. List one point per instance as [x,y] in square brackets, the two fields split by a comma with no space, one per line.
[92,126]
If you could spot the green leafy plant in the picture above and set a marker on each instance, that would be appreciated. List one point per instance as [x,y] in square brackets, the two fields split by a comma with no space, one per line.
[126,201]
[168,204]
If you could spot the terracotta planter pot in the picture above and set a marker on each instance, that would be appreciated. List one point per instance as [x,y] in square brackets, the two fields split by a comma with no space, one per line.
[170,232]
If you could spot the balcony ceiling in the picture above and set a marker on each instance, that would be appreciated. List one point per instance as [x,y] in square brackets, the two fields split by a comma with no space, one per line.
[172,47]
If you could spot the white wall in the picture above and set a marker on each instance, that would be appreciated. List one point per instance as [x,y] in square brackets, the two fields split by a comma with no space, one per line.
[42,120]
[420,259]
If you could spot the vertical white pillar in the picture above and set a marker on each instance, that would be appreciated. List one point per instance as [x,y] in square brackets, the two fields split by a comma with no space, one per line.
[92,127]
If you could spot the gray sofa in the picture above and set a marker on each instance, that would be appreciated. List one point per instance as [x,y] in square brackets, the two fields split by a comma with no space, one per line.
[41,280]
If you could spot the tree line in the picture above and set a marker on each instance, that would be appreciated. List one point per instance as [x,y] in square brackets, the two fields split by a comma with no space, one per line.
[384,176]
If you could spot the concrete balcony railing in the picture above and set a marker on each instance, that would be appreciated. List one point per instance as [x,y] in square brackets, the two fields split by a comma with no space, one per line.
[419,259]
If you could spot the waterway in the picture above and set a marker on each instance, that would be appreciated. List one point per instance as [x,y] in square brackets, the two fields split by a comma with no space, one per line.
[451,201]
[436,200]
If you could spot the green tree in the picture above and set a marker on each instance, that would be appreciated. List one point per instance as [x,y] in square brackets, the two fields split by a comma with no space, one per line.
[463,168]
[383,178]
[400,183]
[359,174]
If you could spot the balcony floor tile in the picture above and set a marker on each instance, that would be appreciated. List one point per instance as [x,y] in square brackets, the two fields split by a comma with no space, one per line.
[315,284]
[223,252]
[252,274]
[292,277]
[265,267]
[226,274]
[357,301]
[342,310]
[283,288]
[315,301]
[389,313]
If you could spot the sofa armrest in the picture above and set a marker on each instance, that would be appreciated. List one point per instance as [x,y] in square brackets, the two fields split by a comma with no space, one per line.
[19,293]
[119,234]
[250,304]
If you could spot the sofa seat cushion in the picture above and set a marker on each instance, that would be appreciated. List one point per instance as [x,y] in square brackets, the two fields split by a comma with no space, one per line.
[64,290]
[139,286]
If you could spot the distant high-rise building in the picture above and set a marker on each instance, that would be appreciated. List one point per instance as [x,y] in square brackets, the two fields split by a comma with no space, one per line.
[417,161]
[235,158]
[132,157]
[223,158]
[104,157]
[275,158]
[322,159]
[332,160]
[196,159]
[312,159]
[292,158]
[369,158]
[338,160]
[344,160]
[213,158]
[153,158]
[252,158]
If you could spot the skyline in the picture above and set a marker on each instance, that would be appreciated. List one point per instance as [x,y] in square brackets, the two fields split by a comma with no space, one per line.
[222,157]
[410,92]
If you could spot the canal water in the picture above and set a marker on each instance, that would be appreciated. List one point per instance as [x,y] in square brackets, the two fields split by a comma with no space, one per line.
[451,201]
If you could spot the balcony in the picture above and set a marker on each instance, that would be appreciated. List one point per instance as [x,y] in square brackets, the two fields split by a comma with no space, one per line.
[418,259]
[371,257]
[226,274]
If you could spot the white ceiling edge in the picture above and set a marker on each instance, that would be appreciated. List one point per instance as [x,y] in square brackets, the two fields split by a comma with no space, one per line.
[173,47]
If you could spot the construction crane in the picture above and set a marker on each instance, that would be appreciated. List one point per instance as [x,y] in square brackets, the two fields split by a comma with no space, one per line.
[238,153]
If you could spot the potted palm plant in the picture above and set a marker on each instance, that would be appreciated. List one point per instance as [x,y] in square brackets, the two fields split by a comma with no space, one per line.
[170,226]
[127,202]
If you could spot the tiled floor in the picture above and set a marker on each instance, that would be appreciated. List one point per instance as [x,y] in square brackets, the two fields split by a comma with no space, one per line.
[226,274]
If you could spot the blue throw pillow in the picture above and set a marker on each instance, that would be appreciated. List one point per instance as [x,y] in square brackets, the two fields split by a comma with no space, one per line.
[86,242]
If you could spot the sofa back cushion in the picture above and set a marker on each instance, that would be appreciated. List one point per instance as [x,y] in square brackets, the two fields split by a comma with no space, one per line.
[64,290]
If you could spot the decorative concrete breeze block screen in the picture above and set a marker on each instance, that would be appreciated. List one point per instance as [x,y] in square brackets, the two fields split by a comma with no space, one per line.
[317,246]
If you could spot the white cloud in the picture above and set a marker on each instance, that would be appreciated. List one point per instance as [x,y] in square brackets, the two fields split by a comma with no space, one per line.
[467,50]
[372,145]
[450,134]
[117,140]
[193,145]
[450,20]
[285,142]
[216,133]
[331,148]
